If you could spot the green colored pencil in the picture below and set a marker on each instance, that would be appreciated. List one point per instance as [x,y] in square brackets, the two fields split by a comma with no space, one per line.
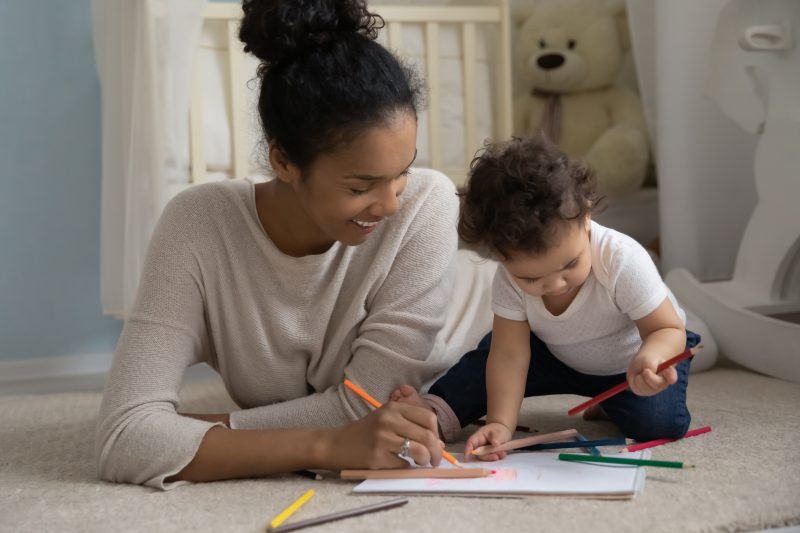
[620,460]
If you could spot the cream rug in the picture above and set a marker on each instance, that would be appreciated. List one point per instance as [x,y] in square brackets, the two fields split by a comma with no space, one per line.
[747,475]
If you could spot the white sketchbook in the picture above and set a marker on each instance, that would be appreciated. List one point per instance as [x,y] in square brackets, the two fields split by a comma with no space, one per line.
[520,474]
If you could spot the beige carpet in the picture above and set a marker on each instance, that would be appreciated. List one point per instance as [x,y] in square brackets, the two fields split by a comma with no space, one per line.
[747,476]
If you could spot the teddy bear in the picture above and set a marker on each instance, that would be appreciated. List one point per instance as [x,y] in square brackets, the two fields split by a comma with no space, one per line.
[571,52]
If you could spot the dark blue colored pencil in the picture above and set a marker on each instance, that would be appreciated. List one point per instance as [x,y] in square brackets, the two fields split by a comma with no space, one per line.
[578,444]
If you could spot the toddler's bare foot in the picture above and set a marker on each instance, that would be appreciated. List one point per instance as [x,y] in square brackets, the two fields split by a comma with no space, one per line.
[408,394]
[595,413]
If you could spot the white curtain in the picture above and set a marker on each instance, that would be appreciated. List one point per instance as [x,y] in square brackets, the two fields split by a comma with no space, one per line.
[144,51]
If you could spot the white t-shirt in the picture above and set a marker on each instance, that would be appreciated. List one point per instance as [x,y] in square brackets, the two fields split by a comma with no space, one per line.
[596,334]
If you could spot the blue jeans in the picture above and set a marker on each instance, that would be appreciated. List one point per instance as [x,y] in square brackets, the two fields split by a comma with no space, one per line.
[662,416]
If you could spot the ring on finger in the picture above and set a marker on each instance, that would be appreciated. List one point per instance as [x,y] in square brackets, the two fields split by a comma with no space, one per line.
[404,448]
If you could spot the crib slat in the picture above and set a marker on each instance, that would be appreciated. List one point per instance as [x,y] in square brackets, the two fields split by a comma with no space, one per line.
[239,144]
[438,14]
[196,125]
[396,37]
[503,124]
[469,83]
[434,95]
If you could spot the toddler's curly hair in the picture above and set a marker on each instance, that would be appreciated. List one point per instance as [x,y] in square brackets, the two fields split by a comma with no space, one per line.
[519,191]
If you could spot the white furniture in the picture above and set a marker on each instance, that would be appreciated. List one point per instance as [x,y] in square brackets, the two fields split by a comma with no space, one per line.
[754,74]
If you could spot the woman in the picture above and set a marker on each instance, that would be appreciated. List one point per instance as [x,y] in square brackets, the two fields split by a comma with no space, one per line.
[342,266]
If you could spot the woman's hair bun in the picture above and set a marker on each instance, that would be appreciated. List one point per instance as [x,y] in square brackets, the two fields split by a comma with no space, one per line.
[273,30]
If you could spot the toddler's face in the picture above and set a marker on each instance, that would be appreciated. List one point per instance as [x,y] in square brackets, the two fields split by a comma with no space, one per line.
[560,270]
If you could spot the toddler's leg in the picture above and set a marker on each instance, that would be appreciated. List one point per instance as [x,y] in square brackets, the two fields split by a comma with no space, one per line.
[662,416]
[459,397]
[462,389]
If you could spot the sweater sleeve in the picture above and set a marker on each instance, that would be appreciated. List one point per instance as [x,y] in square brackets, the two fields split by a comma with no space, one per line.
[397,342]
[140,437]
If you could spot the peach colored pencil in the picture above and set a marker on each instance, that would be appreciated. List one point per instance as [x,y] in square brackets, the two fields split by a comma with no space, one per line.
[417,473]
[377,405]
[527,441]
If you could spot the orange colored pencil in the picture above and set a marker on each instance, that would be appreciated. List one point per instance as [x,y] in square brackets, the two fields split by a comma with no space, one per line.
[361,392]
[377,405]
[613,391]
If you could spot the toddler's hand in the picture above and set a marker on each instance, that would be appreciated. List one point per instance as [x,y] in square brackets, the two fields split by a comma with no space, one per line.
[408,394]
[492,434]
[644,380]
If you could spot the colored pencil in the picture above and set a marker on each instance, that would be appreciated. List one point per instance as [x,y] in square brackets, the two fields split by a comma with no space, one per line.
[620,460]
[527,441]
[524,429]
[653,443]
[362,393]
[613,391]
[289,511]
[416,473]
[579,444]
[324,519]
[591,449]
[377,405]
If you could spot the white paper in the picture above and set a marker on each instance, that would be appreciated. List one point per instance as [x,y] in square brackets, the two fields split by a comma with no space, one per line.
[527,473]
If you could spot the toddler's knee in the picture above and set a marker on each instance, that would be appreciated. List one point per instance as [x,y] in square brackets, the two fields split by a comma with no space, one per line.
[650,429]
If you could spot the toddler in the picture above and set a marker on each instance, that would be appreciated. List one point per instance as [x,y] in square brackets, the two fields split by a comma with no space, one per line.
[578,307]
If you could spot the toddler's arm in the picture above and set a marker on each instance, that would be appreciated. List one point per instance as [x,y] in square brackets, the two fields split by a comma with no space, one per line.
[506,374]
[663,337]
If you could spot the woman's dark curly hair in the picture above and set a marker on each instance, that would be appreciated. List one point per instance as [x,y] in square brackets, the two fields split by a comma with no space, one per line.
[519,191]
[324,78]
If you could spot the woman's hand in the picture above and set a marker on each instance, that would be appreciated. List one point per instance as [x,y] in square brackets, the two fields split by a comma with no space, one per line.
[492,434]
[375,440]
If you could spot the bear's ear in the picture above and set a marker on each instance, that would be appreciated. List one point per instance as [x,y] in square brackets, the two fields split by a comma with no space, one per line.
[521,13]
[616,9]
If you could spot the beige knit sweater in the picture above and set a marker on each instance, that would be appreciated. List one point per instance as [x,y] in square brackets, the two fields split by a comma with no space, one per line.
[283,332]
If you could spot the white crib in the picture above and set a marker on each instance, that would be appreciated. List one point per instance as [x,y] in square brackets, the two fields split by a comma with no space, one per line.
[463,53]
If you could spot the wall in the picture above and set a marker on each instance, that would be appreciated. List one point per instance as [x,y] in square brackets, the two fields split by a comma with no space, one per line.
[50,184]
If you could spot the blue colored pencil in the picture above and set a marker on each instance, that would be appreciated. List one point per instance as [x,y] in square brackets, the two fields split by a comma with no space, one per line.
[591,449]
[579,444]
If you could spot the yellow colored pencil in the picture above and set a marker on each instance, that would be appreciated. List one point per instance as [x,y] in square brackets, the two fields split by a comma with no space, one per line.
[376,404]
[289,511]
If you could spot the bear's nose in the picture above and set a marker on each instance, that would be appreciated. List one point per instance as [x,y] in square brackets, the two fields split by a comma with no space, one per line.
[550,61]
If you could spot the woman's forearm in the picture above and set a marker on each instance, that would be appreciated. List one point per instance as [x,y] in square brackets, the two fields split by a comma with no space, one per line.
[236,453]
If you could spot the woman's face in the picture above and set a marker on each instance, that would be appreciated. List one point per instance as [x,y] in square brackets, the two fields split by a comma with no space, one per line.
[348,193]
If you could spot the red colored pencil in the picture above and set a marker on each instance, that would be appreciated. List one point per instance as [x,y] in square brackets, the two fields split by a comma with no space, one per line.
[653,443]
[624,385]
